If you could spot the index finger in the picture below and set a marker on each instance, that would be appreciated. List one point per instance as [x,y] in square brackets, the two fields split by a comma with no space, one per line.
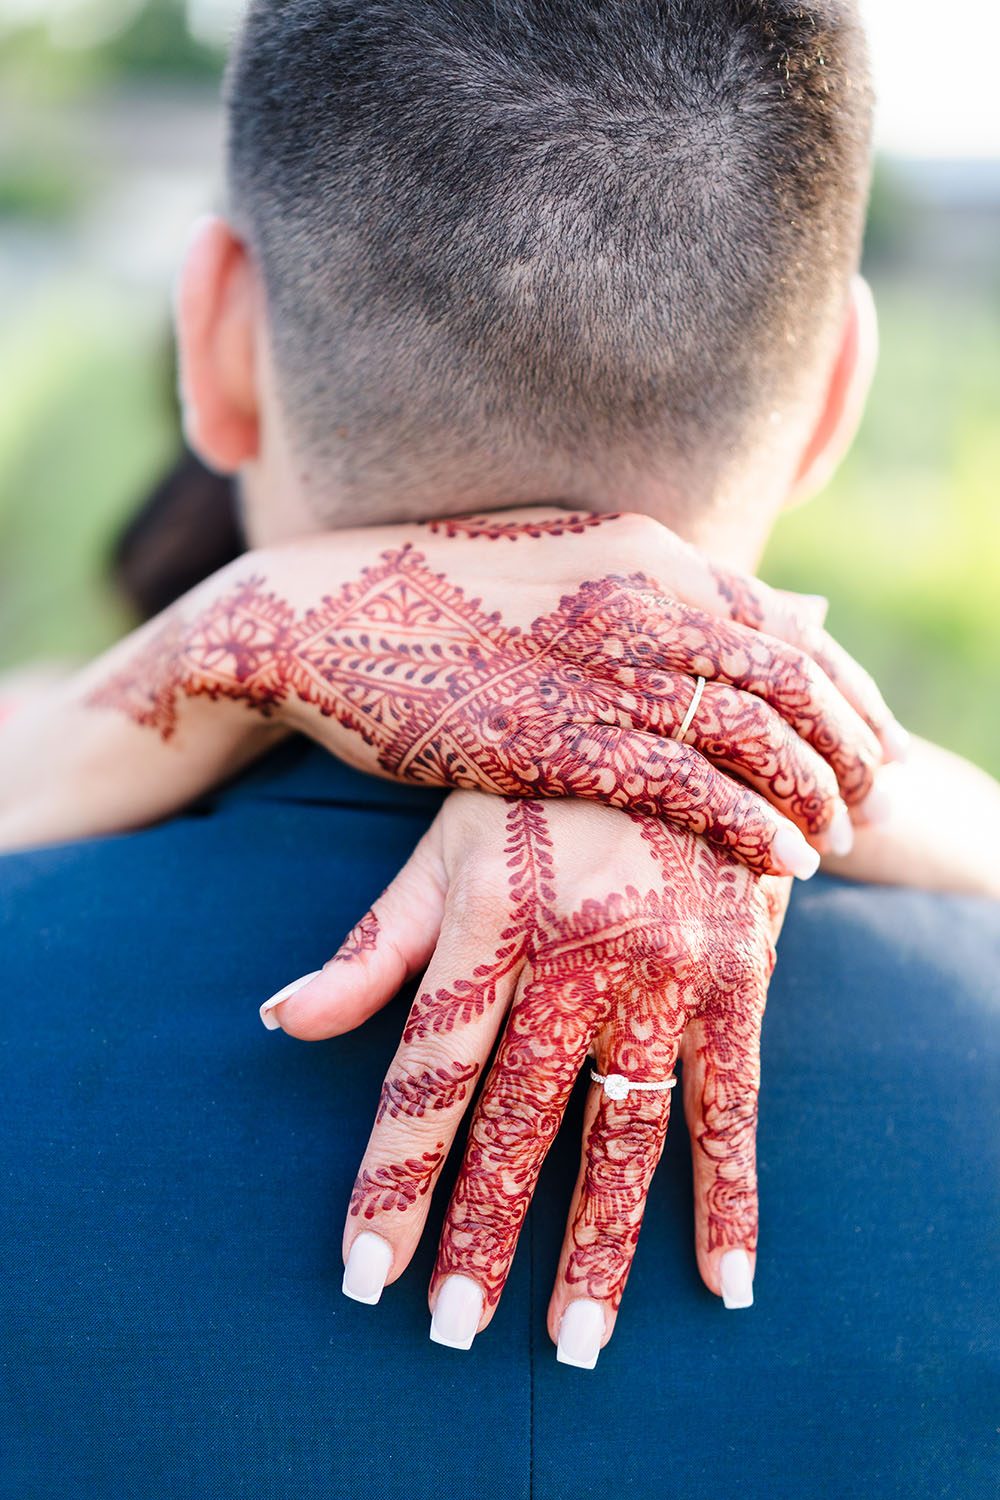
[447,1039]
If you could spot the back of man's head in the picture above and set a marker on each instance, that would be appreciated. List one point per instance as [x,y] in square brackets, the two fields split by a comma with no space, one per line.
[516,241]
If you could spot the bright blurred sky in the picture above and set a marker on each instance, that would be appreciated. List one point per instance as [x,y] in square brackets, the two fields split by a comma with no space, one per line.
[935,65]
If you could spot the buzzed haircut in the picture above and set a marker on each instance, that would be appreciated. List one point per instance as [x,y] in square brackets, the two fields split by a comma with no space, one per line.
[498,230]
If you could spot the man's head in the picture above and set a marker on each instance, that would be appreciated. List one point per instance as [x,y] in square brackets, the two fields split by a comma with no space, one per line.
[507,250]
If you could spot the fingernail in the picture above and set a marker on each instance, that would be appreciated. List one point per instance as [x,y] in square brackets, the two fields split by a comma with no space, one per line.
[840,834]
[793,854]
[580,1333]
[368,1263]
[896,740]
[817,605]
[271,1021]
[457,1311]
[877,806]
[736,1279]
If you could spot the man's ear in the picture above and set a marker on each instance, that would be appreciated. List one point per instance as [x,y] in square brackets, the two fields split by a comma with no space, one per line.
[846,393]
[215,313]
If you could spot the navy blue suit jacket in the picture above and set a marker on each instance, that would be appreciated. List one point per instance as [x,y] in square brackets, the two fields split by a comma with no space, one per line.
[175,1181]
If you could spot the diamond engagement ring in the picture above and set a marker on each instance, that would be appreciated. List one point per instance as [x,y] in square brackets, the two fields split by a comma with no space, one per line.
[685,724]
[618,1088]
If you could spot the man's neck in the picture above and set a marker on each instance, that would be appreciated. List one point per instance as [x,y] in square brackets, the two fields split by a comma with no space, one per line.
[733,530]
[735,539]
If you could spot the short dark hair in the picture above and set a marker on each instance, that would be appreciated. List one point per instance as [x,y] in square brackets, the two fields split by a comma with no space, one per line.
[545,226]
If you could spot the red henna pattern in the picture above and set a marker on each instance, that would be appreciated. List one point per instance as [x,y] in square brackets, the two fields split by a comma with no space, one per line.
[603,976]
[436,1089]
[732,1007]
[362,938]
[397,1186]
[622,1153]
[531,882]
[623,977]
[443,693]
[489,529]
[742,602]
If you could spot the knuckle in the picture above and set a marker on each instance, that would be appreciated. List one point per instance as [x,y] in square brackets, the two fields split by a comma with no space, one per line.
[636,537]
[477,890]
[735,962]
[429,1082]
[519,1114]
[739,806]
[623,1156]
[734,1113]
[794,671]
[514,1125]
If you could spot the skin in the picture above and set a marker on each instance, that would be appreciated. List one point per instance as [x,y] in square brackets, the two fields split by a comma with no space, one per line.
[620,939]
[557,669]
[944,827]
[704,996]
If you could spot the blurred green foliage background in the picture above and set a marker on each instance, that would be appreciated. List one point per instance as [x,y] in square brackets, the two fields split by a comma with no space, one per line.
[906,542]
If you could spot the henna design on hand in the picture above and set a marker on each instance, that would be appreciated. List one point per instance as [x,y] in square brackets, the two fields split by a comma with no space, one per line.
[492,530]
[623,1152]
[742,604]
[362,938]
[531,883]
[433,689]
[602,977]
[685,951]
[397,1186]
[413,1094]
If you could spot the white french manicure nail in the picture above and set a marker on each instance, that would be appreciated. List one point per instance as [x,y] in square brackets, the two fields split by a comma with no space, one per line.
[840,834]
[580,1333]
[897,740]
[818,606]
[271,1021]
[793,854]
[736,1279]
[368,1264]
[457,1312]
[877,806]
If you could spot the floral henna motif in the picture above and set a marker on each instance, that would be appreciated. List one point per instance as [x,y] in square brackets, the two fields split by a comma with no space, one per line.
[362,938]
[413,1095]
[443,693]
[742,604]
[622,1154]
[732,1007]
[237,649]
[397,1186]
[729,1141]
[601,978]
[622,977]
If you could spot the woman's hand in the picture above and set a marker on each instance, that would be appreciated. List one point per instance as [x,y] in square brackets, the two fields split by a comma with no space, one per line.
[544,654]
[579,932]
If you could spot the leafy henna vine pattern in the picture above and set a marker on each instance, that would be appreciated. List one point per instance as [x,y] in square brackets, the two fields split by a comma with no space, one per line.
[361,939]
[622,978]
[397,1186]
[492,530]
[531,885]
[412,1095]
[582,704]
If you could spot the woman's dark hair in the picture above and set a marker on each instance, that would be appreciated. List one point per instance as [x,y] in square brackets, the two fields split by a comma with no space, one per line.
[185,529]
